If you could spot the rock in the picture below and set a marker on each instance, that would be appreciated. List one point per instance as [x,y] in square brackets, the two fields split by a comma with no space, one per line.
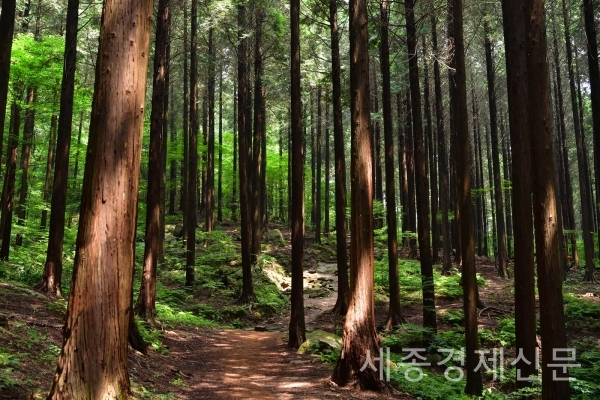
[325,340]
[299,362]
[284,285]
[260,328]
[312,271]
[178,231]
[275,236]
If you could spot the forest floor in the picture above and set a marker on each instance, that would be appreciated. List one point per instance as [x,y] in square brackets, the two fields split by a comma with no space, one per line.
[252,361]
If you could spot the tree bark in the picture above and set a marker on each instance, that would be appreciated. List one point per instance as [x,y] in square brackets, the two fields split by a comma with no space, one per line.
[8,189]
[210,156]
[93,361]
[544,204]
[469,281]
[395,316]
[296,327]
[7,26]
[244,132]
[145,305]
[359,334]
[500,229]
[192,166]
[341,305]
[441,144]
[49,165]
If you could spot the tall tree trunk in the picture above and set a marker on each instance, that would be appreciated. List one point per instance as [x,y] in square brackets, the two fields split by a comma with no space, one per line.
[259,121]
[429,319]
[552,322]
[93,361]
[359,336]
[594,78]
[172,139]
[441,144]
[244,132]
[145,306]
[409,147]
[433,181]
[8,189]
[327,167]
[341,305]
[186,126]
[26,149]
[192,166]
[502,256]
[7,26]
[469,280]
[210,156]
[576,128]
[516,69]
[49,165]
[220,157]
[395,316]
[296,327]
[234,186]
[318,165]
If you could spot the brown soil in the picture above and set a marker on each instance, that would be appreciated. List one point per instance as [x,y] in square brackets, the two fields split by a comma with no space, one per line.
[200,363]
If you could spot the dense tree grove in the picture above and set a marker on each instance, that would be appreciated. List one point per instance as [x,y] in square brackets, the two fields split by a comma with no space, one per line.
[447,132]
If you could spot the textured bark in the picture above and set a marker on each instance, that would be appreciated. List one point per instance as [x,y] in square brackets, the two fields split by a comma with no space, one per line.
[234,197]
[49,165]
[441,150]
[7,26]
[429,316]
[501,257]
[185,122]
[318,166]
[220,157]
[192,161]
[93,361]
[395,316]
[341,305]
[552,324]
[145,306]
[594,81]
[8,189]
[469,281]
[259,122]
[576,128]
[518,99]
[210,153]
[296,327]
[433,181]
[244,132]
[359,334]
[327,168]
[26,149]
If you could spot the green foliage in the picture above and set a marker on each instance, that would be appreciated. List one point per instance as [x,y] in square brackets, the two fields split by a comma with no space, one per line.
[169,315]
[406,336]
[452,317]
[587,385]
[503,335]
[151,336]
[8,362]
[581,313]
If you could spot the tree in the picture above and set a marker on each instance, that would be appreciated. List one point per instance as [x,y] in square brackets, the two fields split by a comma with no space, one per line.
[297,327]
[441,142]
[93,360]
[7,26]
[501,234]
[395,312]
[467,244]
[359,334]
[429,320]
[594,77]
[51,279]
[552,324]
[243,158]
[341,304]
[8,189]
[145,306]
[210,152]
[192,167]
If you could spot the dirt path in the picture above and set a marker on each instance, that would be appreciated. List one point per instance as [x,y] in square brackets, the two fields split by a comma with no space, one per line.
[233,364]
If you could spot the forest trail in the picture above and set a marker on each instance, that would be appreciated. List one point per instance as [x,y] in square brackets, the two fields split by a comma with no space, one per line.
[234,364]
